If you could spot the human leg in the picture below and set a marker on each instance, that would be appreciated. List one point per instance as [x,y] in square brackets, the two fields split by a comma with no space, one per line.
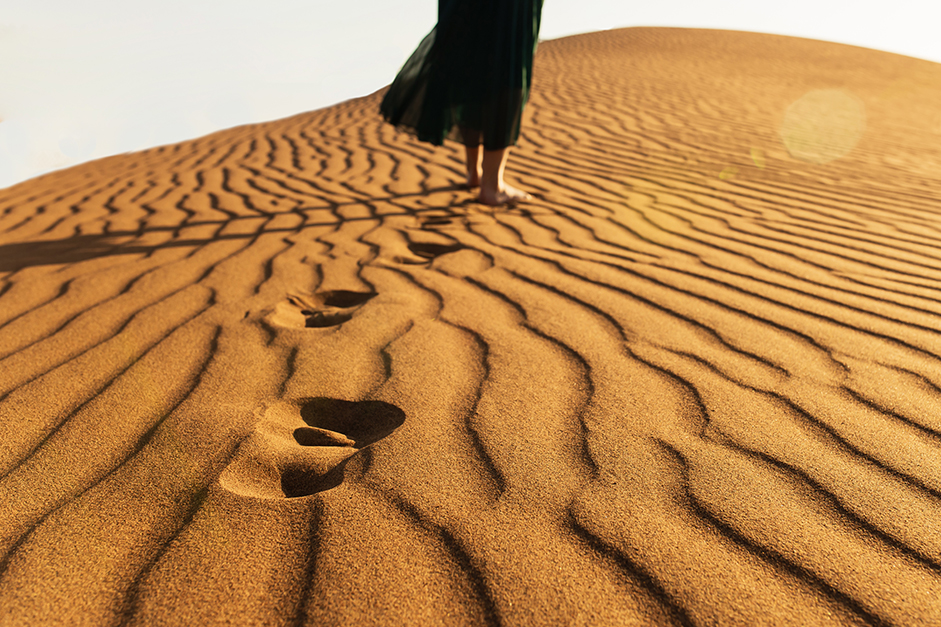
[493,189]
[473,165]
[472,139]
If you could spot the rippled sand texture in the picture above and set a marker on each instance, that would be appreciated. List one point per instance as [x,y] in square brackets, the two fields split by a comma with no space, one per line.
[291,373]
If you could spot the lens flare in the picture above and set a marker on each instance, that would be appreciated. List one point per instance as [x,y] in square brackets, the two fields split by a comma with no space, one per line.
[728,172]
[823,125]
[758,157]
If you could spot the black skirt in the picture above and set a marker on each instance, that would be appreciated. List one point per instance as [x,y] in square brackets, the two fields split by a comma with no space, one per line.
[469,79]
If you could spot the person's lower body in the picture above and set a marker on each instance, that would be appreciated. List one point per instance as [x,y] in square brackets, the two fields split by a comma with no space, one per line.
[485,170]
[469,81]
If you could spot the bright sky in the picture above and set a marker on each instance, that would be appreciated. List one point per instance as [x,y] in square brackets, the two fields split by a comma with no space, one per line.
[82,80]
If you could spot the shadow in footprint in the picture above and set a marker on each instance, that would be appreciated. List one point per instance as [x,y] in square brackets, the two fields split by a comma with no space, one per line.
[319,319]
[301,447]
[433,222]
[359,422]
[345,298]
[350,425]
[298,481]
[314,436]
[328,309]
[315,311]
[430,251]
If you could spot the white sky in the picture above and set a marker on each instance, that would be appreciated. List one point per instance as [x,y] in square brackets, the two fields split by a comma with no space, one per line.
[82,80]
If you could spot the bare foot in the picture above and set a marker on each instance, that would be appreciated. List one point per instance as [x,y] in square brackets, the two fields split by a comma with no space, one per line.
[507,196]
[473,180]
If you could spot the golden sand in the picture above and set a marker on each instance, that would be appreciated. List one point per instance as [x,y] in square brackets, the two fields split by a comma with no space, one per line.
[290,373]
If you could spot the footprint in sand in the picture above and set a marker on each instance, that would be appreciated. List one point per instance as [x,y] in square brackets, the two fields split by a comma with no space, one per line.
[452,259]
[319,310]
[430,251]
[426,253]
[431,223]
[300,448]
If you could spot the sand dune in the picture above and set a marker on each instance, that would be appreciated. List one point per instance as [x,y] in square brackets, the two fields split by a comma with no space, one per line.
[291,373]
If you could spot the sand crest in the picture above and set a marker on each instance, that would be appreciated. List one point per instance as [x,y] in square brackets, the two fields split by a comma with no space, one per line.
[291,373]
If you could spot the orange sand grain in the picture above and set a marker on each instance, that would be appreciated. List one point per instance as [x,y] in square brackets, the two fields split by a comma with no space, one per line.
[291,373]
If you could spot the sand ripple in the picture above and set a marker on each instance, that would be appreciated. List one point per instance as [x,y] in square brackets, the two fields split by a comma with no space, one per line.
[291,373]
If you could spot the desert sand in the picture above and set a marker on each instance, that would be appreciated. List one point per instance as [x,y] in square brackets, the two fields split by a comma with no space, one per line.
[291,373]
